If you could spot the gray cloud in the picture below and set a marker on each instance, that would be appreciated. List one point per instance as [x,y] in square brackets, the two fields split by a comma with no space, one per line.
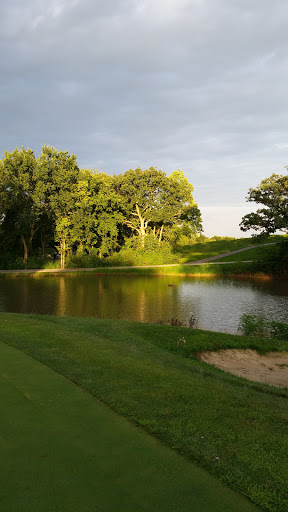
[195,84]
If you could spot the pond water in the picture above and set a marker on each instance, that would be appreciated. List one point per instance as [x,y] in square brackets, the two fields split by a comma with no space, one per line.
[216,303]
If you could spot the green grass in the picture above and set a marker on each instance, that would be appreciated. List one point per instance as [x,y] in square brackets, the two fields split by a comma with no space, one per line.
[258,253]
[232,269]
[210,248]
[62,450]
[234,428]
[206,249]
[199,251]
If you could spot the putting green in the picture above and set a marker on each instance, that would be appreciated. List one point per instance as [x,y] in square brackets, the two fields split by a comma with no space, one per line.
[63,451]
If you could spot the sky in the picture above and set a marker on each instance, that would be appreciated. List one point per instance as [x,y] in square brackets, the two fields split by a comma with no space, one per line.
[199,85]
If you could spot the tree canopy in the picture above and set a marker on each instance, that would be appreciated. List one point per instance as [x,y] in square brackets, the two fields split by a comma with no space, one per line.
[49,204]
[272,193]
[153,200]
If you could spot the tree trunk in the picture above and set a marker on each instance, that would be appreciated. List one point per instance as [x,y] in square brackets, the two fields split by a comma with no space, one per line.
[25,249]
[161,233]
[143,225]
[63,251]
[43,246]
[32,233]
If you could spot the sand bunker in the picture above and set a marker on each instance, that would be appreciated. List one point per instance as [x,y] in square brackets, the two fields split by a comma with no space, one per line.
[271,368]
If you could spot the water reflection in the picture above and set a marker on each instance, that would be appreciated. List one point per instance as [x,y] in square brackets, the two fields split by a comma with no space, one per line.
[216,303]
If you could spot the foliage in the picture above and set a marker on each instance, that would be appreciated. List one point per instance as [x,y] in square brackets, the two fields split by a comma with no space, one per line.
[278,330]
[154,253]
[152,200]
[50,203]
[253,325]
[273,194]
[20,205]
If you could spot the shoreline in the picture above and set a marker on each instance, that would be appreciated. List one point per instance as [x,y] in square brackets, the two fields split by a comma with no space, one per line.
[137,271]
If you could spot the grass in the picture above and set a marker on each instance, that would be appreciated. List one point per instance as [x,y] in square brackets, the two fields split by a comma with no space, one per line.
[209,248]
[258,253]
[62,450]
[208,269]
[234,428]
[190,253]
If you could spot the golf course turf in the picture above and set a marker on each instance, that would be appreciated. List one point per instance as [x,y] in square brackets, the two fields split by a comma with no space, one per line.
[60,447]
[62,450]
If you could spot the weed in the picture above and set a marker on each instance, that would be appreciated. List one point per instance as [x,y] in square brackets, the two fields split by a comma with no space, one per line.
[175,322]
[180,342]
[252,325]
[191,322]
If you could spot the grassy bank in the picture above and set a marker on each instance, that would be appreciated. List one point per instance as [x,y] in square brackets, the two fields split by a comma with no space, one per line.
[208,269]
[232,427]
[201,250]
[150,262]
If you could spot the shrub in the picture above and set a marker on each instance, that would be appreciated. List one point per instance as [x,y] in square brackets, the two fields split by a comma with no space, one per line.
[154,253]
[279,330]
[252,325]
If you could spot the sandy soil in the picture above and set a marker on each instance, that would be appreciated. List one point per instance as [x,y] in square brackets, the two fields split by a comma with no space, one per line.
[271,368]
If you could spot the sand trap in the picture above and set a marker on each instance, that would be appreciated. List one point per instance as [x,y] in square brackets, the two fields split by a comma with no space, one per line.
[271,368]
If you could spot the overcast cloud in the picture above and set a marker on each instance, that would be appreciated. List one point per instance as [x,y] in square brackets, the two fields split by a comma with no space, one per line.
[199,85]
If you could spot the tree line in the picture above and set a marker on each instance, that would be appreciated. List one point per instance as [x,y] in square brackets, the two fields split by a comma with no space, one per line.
[49,204]
[272,194]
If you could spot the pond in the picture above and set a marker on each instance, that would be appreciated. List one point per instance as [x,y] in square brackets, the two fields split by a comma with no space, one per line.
[216,303]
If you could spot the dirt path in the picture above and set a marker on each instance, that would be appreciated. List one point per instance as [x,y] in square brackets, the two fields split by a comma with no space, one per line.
[271,368]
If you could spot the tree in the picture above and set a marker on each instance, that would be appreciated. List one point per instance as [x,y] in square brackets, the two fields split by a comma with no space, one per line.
[107,211]
[20,205]
[152,200]
[58,176]
[97,215]
[273,194]
[178,207]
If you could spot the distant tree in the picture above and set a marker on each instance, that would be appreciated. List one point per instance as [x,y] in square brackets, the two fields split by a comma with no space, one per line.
[273,194]
[20,205]
[58,175]
[180,209]
[107,210]
[152,200]
[97,216]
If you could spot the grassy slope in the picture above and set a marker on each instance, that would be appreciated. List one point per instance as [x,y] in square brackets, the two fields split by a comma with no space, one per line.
[213,248]
[234,428]
[203,250]
[252,254]
[68,452]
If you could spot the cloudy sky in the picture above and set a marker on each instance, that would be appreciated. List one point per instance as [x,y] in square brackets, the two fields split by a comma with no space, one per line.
[199,85]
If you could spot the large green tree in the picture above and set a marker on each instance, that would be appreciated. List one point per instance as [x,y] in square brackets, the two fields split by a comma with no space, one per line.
[58,176]
[179,209]
[272,193]
[20,206]
[153,200]
[97,215]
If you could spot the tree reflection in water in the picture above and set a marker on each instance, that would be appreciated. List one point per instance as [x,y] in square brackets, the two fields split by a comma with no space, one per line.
[216,303]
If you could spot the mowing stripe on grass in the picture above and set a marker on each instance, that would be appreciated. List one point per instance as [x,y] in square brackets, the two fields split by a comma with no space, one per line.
[62,450]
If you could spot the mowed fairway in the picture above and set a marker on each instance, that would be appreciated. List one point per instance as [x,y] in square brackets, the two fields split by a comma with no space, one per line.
[62,450]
